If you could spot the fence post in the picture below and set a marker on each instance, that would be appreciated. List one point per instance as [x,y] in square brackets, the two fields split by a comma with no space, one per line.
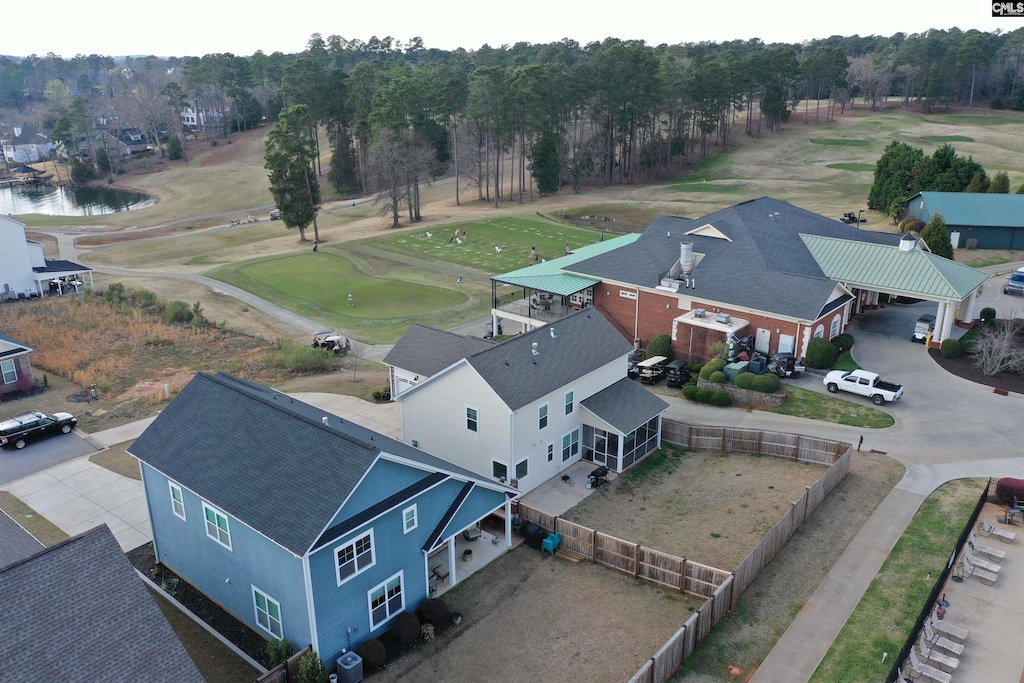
[653,662]
[636,560]
[682,576]
[593,546]
[760,436]
[723,439]
[796,453]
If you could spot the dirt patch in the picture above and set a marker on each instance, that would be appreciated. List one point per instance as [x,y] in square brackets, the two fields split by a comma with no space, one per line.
[537,616]
[712,508]
[174,378]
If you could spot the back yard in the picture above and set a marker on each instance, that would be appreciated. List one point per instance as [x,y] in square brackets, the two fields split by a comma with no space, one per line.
[712,508]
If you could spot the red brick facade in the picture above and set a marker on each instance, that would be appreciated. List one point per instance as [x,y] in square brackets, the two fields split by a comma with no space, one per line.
[651,313]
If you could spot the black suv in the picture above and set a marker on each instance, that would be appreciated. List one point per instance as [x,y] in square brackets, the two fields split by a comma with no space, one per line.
[18,431]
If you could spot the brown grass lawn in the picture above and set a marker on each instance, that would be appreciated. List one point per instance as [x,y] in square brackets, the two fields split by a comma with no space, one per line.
[712,508]
[546,619]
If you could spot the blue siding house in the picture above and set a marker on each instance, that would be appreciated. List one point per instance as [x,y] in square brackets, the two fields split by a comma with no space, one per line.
[301,524]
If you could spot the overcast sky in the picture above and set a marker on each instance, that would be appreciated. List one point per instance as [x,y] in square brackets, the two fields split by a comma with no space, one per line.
[119,27]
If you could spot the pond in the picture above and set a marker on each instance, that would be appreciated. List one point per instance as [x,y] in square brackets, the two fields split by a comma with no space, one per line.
[53,200]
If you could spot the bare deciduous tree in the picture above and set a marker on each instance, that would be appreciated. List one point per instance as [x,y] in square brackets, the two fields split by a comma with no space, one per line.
[999,346]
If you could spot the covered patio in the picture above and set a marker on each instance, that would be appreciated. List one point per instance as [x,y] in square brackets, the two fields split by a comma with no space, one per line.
[58,278]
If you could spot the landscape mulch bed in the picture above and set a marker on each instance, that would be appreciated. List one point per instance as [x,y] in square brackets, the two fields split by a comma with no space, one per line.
[244,638]
[965,367]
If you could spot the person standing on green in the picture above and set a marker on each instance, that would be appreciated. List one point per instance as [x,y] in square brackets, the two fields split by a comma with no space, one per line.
[350,300]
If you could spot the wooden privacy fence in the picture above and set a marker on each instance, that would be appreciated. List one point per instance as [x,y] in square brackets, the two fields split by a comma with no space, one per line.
[720,588]
[285,671]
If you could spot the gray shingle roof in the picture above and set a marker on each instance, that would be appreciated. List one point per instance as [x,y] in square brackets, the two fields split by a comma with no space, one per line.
[425,350]
[583,342]
[763,264]
[625,405]
[77,612]
[238,445]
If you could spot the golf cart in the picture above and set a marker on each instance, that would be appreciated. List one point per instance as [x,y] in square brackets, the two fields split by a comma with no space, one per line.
[786,365]
[924,326]
[677,374]
[652,369]
[332,341]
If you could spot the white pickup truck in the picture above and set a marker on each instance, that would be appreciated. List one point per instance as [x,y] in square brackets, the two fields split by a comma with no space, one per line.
[864,383]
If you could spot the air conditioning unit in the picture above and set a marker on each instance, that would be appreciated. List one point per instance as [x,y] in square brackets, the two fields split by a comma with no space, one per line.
[723,318]
[698,312]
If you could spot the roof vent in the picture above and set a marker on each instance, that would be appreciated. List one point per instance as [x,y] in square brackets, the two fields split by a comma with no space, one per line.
[698,312]
[723,318]
[553,335]
[686,258]
[534,350]
[324,420]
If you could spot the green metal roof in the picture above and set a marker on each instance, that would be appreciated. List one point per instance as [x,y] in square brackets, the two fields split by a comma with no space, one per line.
[915,273]
[550,276]
[973,209]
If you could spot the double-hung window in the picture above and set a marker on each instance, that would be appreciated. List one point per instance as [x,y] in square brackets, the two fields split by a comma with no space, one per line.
[569,402]
[472,419]
[10,372]
[354,557]
[386,600]
[571,444]
[542,417]
[177,500]
[217,526]
[409,521]
[268,613]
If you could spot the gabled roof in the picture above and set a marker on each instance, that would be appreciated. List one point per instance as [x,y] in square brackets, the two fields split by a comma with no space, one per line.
[238,445]
[77,612]
[551,276]
[425,350]
[625,405]
[10,347]
[61,266]
[583,342]
[877,266]
[753,256]
[974,209]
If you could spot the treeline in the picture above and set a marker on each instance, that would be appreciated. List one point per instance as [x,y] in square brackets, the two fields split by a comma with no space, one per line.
[564,113]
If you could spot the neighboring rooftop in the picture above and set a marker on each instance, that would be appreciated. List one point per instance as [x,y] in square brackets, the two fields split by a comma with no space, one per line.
[551,276]
[624,405]
[974,209]
[751,255]
[76,612]
[426,351]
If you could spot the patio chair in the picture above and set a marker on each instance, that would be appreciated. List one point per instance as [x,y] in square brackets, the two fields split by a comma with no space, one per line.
[941,641]
[918,667]
[965,568]
[986,530]
[551,543]
[947,662]
[978,562]
[947,629]
[993,553]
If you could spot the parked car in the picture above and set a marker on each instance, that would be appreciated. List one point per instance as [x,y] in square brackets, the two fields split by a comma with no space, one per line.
[864,383]
[19,430]
[924,326]
[1014,283]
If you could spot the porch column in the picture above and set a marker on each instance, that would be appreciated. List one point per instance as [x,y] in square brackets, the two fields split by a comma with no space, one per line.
[967,308]
[452,580]
[947,320]
[508,522]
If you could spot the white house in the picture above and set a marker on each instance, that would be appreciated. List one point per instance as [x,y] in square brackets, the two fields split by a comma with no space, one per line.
[24,270]
[27,145]
[524,410]
[424,351]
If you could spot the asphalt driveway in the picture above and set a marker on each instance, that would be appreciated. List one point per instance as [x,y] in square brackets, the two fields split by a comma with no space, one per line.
[40,455]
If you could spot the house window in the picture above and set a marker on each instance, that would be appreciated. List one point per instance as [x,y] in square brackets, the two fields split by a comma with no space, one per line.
[354,557]
[499,470]
[409,520]
[571,444]
[542,416]
[834,332]
[568,402]
[268,613]
[177,500]
[10,372]
[819,331]
[551,452]
[386,600]
[472,420]
[217,526]
[522,468]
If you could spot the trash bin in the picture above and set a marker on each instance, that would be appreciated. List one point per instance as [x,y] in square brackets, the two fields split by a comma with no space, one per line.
[535,535]
[350,668]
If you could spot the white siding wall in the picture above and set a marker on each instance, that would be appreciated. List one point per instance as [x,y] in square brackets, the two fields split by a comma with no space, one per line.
[16,258]
[532,443]
[435,417]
